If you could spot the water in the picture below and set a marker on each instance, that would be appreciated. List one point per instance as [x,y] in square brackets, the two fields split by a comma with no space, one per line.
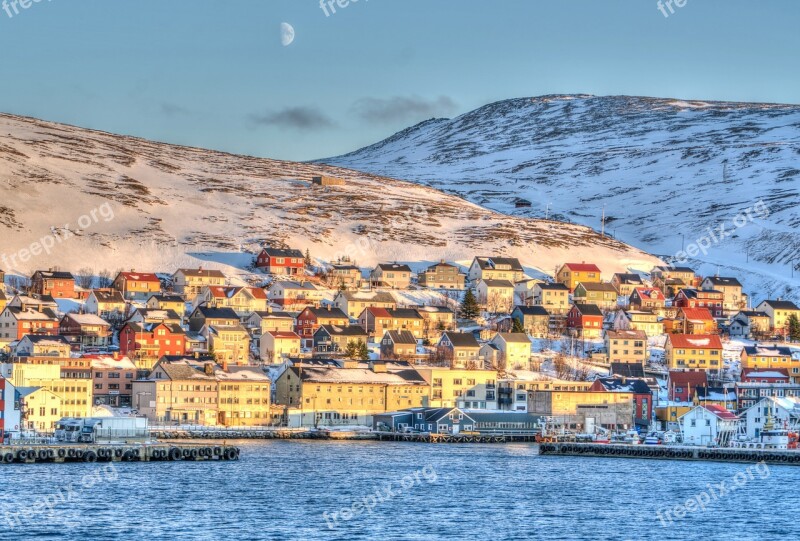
[280,490]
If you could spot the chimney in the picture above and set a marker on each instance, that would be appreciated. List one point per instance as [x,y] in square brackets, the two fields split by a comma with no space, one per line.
[116,355]
[196,354]
[378,368]
[208,368]
[225,366]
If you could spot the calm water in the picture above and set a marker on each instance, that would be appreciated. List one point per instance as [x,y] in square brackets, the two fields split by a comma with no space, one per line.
[280,490]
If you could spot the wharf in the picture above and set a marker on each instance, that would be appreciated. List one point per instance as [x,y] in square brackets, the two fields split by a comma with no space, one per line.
[99,452]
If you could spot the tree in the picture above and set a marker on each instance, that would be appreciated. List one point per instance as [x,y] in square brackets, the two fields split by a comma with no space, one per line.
[363,351]
[85,278]
[356,350]
[308,258]
[104,279]
[469,306]
[794,328]
[517,326]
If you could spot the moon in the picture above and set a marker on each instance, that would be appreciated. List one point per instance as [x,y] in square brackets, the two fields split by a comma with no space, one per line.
[287,34]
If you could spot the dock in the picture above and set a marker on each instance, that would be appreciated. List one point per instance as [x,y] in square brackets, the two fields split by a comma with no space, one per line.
[670,452]
[144,452]
[429,437]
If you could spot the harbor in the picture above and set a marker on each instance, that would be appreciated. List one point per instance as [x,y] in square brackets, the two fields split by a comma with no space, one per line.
[147,452]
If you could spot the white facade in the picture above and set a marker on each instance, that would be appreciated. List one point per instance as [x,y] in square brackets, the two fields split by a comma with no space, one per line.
[700,426]
[785,413]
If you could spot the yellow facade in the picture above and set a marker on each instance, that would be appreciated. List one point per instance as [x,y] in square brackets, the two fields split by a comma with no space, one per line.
[567,402]
[43,409]
[449,386]
[75,394]
[571,278]
[243,403]
[688,358]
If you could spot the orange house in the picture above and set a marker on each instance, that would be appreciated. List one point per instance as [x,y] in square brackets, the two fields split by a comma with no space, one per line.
[571,273]
[137,285]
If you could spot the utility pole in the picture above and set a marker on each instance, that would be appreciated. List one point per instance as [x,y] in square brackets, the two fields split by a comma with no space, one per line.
[603,222]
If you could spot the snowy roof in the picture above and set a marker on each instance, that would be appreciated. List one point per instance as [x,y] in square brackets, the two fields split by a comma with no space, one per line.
[88,319]
[697,341]
[121,363]
[329,374]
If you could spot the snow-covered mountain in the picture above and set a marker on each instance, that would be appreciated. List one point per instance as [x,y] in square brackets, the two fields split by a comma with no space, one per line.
[76,198]
[663,171]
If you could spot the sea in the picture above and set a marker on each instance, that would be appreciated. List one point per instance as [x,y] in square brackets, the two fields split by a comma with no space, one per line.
[352,490]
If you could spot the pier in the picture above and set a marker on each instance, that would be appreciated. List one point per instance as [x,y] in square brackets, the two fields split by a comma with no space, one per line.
[427,437]
[147,452]
[669,452]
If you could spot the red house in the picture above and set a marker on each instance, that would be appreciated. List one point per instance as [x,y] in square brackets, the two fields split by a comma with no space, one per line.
[682,385]
[152,340]
[585,320]
[647,298]
[57,284]
[697,298]
[276,261]
[311,319]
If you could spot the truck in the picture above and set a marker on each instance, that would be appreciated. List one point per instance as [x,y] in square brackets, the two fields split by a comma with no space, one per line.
[101,429]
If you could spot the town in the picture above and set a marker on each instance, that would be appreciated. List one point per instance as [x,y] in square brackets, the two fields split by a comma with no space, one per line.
[661,355]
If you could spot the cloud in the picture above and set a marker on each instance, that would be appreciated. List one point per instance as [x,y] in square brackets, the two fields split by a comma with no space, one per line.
[301,118]
[402,108]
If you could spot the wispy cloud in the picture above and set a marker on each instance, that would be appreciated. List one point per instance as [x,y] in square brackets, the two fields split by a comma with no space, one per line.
[301,118]
[402,108]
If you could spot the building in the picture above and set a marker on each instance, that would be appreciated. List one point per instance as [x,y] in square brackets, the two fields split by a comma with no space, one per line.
[717,396]
[626,283]
[323,180]
[676,276]
[10,419]
[602,295]
[167,302]
[633,320]
[571,274]
[57,284]
[750,324]
[230,344]
[283,262]
[16,322]
[749,393]
[74,394]
[345,276]
[647,299]
[436,320]
[700,298]
[260,322]
[137,286]
[353,303]
[113,381]
[585,320]
[459,349]
[349,395]
[392,275]
[642,395]
[695,321]
[188,391]
[203,316]
[189,282]
[495,268]
[534,319]
[733,299]
[583,409]
[694,352]
[780,412]
[106,303]
[155,315]
[376,321]
[456,420]
[295,295]
[779,312]
[765,375]
[626,347]
[85,331]
[681,385]
[772,358]
[42,345]
[458,387]
[552,297]
[513,351]
[708,425]
[242,300]
[398,345]
[333,340]
[275,346]
[148,342]
[497,296]
[442,276]
[312,318]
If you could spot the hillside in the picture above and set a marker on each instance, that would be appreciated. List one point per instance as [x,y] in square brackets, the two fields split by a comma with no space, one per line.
[665,171]
[106,201]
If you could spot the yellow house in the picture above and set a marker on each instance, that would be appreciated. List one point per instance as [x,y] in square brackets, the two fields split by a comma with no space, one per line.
[571,274]
[458,387]
[694,352]
[779,312]
[633,320]
[626,347]
[772,357]
[552,297]
[513,350]
[189,282]
[75,394]
[43,409]
[167,302]
[276,345]
[229,343]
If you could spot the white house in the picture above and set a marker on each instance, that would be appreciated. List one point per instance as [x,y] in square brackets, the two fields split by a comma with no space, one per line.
[784,412]
[496,295]
[708,425]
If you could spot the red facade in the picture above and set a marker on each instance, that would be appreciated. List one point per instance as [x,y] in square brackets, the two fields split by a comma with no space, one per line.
[281,261]
[156,340]
[695,298]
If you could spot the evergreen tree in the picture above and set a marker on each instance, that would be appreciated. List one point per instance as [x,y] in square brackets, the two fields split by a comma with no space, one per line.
[308,258]
[469,306]
[517,327]
[351,351]
[363,351]
[794,328]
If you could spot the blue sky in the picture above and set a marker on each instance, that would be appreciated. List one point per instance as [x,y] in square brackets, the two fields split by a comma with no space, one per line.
[214,74]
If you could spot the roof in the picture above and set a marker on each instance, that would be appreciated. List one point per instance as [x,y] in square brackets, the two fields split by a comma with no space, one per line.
[139,276]
[369,296]
[628,278]
[278,252]
[626,335]
[716,394]
[723,281]
[498,283]
[695,379]
[495,262]
[401,337]
[514,337]
[772,373]
[695,341]
[47,339]
[329,313]
[768,351]
[532,311]
[582,267]
[751,313]
[121,363]
[337,330]
[720,412]
[558,286]
[781,305]
[623,385]
[284,335]
[109,296]
[46,314]
[697,314]
[212,312]
[674,269]
[166,298]
[629,370]
[598,286]
[201,272]
[404,313]
[228,292]
[649,293]
[461,339]
[58,275]
[87,319]
[191,369]
[334,374]
[397,267]
[588,309]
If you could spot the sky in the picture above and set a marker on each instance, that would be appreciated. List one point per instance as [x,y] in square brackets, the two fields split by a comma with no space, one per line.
[216,74]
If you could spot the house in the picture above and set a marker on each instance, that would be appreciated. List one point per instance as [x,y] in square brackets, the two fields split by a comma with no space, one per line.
[626,347]
[694,352]
[779,312]
[275,346]
[456,420]
[74,394]
[376,321]
[695,321]
[353,303]
[188,391]
[602,295]
[765,375]
[732,297]
[750,324]
[718,396]
[534,319]
[189,282]
[16,322]
[40,345]
[3,298]
[242,300]
[113,381]
[683,276]
[577,406]
[85,331]
[283,262]
[647,299]
[137,286]
[626,282]
[642,395]
[495,268]
[585,320]
[230,344]
[571,274]
[436,320]
[333,339]
[700,298]
[633,320]
[345,276]
[208,316]
[749,393]
[460,387]
[513,351]
[772,357]
[147,315]
[681,385]
[260,322]
[167,302]
[312,318]
[523,290]
[57,284]
[106,303]
[10,419]
[552,297]
[145,343]
[496,295]
[708,425]
[350,394]
[442,276]
[771,412]
[460,349]
[398,345]
[393,275]
[289,294]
